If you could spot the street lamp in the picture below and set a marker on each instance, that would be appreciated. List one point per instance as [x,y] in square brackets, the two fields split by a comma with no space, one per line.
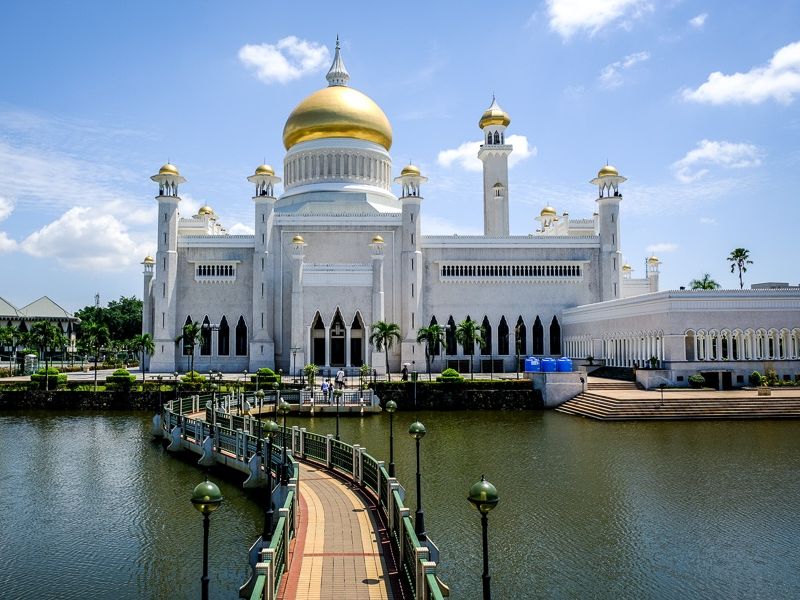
[417,431]
[284,408]
[206,498]
[295,350]
[484,496]
[391,407]
[260,399]
[176,385]
[271,428]
[276,387]
[338,395]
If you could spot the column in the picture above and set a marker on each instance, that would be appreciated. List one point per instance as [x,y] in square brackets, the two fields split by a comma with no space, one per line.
[327,345]
[347,346]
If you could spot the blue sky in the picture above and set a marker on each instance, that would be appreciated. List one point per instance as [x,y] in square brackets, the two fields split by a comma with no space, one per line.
[695,102]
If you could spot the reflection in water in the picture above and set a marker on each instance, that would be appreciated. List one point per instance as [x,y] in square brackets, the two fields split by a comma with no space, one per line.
[93,508]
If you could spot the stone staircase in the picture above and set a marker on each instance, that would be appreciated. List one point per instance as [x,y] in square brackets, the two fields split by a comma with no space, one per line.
[679,405]
[610,384]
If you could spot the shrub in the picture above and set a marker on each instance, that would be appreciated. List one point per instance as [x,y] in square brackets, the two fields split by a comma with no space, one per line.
[120,380]
[311,371]
[755,379]
[192,381]
[50,379]
[771,377]
[265,376]
[449,376]
[697,380]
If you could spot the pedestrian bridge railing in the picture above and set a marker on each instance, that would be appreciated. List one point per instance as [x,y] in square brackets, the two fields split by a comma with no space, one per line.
[222,437]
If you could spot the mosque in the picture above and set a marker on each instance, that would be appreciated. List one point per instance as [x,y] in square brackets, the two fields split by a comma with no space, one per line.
[338,250]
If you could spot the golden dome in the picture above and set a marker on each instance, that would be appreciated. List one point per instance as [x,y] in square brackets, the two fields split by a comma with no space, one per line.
[205,210]
[298,239]
[337,111]
[653,260]
[264,170]
[608,171]
[377,239]
[149,260]
[627,267]
[497,185]
[410,170]
[548,211]
[168,169]
[494,115]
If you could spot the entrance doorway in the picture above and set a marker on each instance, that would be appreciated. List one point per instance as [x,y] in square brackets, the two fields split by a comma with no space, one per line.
[337,341]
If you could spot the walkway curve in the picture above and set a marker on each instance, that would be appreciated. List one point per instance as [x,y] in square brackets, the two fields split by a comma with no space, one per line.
[339,549]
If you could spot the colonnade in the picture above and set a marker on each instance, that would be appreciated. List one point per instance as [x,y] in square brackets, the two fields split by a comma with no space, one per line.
[737,344]
[623,349]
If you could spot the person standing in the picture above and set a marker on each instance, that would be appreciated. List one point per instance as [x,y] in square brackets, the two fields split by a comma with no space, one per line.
[325,386]
[340,379]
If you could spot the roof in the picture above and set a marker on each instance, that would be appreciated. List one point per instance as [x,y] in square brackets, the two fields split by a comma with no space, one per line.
[44,308]
[7,309]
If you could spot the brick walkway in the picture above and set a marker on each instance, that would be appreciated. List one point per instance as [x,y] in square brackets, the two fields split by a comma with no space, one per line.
[338,552]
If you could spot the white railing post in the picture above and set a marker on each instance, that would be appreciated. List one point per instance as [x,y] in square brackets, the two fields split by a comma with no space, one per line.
[284,512]
[428,568]
[378,479]
[421,555]
[361,465]
[401,534]
[268,560]
[292,487]
[302,453]
[355,463]
[328,450]
[391,486]
[295,439]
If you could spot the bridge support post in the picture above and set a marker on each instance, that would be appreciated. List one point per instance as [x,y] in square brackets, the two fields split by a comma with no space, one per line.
[302,453]
[328,450]
[175,437]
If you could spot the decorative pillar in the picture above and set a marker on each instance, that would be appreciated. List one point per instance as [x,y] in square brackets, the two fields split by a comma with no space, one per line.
[377,295]
[298,327]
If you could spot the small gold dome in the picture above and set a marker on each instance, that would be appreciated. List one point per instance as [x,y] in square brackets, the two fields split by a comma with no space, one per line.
[205,210]
[337,111]
[627,267]
[653,260]
[548,211]
[410,170]
[149,260]
[264,170]
[377,239]
[497,185]
[494,115]
[298,239]
[608,171]
[168,169]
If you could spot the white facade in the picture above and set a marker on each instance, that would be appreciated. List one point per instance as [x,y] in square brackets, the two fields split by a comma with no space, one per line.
[338,250]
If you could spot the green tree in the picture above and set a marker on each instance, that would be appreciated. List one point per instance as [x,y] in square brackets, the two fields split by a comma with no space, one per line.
[10,337]
[122,317]
[46,336]
[739,258]
[706,283]
[191,332]
[383,336]
[433,338]
[468,333]
[93,336]
[145,345]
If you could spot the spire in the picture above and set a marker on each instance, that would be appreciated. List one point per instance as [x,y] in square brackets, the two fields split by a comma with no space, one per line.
[337,75]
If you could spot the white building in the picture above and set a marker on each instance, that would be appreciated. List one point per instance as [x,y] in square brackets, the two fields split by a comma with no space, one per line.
[338,250]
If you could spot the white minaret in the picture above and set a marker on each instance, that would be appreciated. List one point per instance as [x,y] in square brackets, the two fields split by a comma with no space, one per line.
[494,153]
[148,265]
[410,260]
[262,344]
[300,333]
[164,293]
[653,264]
[607,182]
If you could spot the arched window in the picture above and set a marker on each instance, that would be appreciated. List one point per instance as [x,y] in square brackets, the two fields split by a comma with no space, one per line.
[187,349]
[502,337]
[205,337]
[437,349]
[538,336]
[486,334]
[241,338]
[451,347]
[496,137]
[318,356]
[689,344]
[555,336]
[522,337]
[223,338]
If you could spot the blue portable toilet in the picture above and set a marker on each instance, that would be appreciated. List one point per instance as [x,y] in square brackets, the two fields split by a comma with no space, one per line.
[548,365]
[564,365]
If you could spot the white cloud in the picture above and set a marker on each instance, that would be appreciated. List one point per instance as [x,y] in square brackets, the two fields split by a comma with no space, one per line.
[433,225]
[241,229]
[611,76]
[466,155]
[694,165]
[291,58]
[779,80]
[6,243]
[662,247]
[6,208]
[568,17]
[698,21]
[83,238]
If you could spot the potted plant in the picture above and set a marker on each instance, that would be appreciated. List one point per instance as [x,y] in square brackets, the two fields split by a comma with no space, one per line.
[696,381]
[653,362]
[590,360]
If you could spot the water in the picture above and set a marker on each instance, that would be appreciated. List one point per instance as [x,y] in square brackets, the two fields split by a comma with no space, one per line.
[94,509]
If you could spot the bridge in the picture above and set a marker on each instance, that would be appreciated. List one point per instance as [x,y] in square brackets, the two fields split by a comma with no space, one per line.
[342,529]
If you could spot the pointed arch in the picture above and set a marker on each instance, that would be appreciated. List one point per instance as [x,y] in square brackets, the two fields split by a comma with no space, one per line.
[241,337]
[538,337]
[521,334]
[486,331]
[205,337]
[496,137]
[437,348]
[357,340]
[338,334]
[223,337]
[502,337]
[318,340]
[555,336]
[451,347]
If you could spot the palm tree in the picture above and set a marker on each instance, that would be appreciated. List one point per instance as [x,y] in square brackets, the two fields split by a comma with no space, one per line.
[706,283]
[145,345]
[45,335]
[11,337]
[191,331]
[94,335]
[383,336]
[468,333]
[433,338]
[739,258]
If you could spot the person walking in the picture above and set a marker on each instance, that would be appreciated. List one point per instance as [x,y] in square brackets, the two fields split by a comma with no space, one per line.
[404,373]
[340,379]
[325,386]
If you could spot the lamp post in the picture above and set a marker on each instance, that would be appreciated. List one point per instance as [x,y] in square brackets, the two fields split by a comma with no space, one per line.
[484,496]
[276,387]
[176,385]
[391,407]
[417,431]
[271,429]
[244,384]
[206,498]
[260,399]
[337,394]
[295,350]
[283,408]
[414,377]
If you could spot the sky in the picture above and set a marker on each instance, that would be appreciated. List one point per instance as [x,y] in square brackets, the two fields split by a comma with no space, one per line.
[695,102]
